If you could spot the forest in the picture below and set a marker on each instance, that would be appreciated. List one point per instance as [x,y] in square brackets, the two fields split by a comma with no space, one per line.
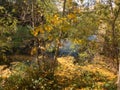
[59,44]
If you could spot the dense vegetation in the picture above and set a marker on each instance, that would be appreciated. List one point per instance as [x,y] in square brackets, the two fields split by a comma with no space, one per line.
[59,44]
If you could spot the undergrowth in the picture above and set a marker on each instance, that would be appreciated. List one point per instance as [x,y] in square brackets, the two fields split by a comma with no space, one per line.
[67,76]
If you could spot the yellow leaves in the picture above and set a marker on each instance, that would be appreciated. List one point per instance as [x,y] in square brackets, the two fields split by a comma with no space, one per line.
[34,33]
[96,68]
[77,10]
[71,16]
[48,28]
[63,19]
[1,7]
[83,74]
[37,30]
[50,37]
[33,51]
[78,41]
[41,29]
[60,22]
[64,28]
[69,3]
[56,17]
[67,68]
[56,20]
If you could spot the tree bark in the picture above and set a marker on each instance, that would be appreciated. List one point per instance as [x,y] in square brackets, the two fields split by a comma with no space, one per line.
[32,14]
[64,6]
[58,42]
[60,34]
[115,50]
[118,85]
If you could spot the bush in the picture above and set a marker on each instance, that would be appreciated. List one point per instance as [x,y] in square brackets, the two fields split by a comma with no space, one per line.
[4,51]
[31,78]
[110,85]
[90,80]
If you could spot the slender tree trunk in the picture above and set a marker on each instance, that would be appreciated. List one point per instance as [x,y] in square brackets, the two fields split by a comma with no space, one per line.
[118,85]
[114,39]
[114,16]
[32,14]
[115,42]
[33,26]
[60,34]
[57,50]
[58,42]
[64,6]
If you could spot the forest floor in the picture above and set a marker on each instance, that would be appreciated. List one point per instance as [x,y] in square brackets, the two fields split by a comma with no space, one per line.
[97,72]
[90,70]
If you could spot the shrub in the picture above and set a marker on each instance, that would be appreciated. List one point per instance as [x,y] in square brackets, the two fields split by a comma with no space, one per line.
[31,78]
[4,51]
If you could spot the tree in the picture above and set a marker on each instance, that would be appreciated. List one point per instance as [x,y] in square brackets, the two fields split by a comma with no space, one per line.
[110,17]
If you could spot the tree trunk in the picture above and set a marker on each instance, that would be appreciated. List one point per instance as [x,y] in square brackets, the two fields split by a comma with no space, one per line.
[58,42]
[32,14]
[56,52]
[64,6]
[118,85]
[115,52]
[60,34]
